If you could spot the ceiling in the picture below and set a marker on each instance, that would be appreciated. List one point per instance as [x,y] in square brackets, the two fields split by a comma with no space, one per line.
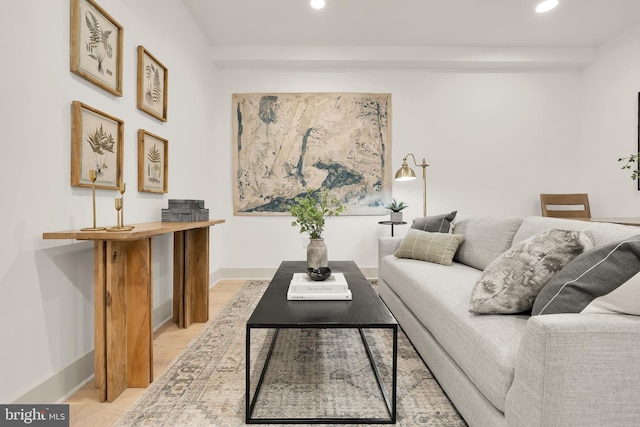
[413,23]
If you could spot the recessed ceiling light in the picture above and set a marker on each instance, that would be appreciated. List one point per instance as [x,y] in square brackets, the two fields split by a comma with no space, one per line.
[546,6]
[317,4]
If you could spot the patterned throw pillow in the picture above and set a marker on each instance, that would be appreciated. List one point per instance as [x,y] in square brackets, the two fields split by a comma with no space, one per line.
[605,279]
[511,283]
[433,247]
[436,223]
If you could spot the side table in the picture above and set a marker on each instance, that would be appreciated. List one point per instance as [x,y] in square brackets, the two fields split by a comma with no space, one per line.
[391,223]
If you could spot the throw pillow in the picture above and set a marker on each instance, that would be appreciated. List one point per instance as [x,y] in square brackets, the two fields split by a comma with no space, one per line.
[433,247]
[511,283]
[485,239]
[436,223]
[605,279]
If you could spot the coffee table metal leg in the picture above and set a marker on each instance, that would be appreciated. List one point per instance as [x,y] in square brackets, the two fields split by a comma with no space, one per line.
[390,403]
[251,402]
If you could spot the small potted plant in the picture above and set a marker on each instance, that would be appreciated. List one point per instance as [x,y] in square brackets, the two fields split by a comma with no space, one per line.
[396,210]
[310,212]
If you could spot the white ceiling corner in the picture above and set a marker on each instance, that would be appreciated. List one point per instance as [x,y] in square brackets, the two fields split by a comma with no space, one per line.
[410,33]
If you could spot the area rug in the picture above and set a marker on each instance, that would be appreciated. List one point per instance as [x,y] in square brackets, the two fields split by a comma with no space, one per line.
[312,373]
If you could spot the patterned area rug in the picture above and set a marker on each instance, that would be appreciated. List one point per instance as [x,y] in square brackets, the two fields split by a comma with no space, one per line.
[312,373]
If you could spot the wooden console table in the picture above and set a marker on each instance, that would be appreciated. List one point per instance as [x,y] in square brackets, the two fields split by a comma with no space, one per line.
[123,301]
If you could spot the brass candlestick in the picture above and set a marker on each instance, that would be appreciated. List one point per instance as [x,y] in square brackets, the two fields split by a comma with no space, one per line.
[93,175]
[123,188]
[120,211]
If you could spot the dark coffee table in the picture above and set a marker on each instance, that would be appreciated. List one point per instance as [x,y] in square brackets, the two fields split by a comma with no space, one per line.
[365,311]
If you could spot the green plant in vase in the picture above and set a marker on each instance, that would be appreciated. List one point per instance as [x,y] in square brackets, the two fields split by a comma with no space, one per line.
[310,212]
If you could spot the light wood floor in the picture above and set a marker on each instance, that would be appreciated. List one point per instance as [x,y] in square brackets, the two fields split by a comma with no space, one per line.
[84,406]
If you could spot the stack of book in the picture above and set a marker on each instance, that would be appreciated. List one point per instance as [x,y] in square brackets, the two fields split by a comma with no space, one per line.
[334,287]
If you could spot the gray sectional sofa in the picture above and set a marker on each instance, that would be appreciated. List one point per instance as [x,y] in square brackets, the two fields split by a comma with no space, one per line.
[514,369]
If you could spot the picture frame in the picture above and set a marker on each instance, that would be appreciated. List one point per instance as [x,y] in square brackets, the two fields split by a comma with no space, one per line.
[96,46]
[97,140]
[153,163]
[153,79]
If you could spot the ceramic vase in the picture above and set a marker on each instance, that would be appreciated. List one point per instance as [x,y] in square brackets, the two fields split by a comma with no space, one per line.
[317,254]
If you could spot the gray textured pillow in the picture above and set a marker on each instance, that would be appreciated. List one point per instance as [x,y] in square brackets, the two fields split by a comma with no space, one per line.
[604,279]
[485,239]
[433,247]
[436,223]
[511,283]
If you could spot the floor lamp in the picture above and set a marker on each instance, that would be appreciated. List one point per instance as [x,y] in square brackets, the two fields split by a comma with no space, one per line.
[405,173]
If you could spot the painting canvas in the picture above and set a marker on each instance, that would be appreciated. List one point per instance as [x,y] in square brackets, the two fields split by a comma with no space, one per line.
[286,143]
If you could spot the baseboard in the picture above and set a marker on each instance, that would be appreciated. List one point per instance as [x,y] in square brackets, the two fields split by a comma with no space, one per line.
[247,273]
[63,384]
[162,314]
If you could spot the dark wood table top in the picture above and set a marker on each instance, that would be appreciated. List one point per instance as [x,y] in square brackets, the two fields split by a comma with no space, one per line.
[366,309]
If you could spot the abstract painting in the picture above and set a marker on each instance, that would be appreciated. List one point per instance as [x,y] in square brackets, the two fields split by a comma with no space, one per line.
[287,143]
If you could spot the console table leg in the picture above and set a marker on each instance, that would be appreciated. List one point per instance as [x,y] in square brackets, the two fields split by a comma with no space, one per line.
[191,277]
[123,317]
[139,313]
[115,319]
[197,274]
[99,321]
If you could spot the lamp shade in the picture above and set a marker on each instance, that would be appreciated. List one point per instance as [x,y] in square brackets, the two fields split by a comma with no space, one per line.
[405,173]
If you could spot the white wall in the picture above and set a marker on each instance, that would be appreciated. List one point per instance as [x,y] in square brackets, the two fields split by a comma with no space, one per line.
[46,287]
[494,141]
[609,128]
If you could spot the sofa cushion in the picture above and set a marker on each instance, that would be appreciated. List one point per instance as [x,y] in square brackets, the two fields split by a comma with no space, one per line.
[485,239]
[484,347]
[605,279]
[432,247]
[602,232]
[511,283]
[436,223]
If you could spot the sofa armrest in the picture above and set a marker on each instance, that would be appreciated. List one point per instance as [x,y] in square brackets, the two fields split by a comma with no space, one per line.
[577,370]
[387,246]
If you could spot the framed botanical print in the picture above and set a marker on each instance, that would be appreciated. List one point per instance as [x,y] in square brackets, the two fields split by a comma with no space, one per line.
[96,144]
[152,85]
[153,162]
[96,46]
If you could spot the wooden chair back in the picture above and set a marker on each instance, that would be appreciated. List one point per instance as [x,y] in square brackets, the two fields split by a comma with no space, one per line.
[574,206]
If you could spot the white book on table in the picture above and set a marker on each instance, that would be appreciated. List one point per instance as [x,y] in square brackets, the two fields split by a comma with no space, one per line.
[301,283]
[318,296]
[335,278]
